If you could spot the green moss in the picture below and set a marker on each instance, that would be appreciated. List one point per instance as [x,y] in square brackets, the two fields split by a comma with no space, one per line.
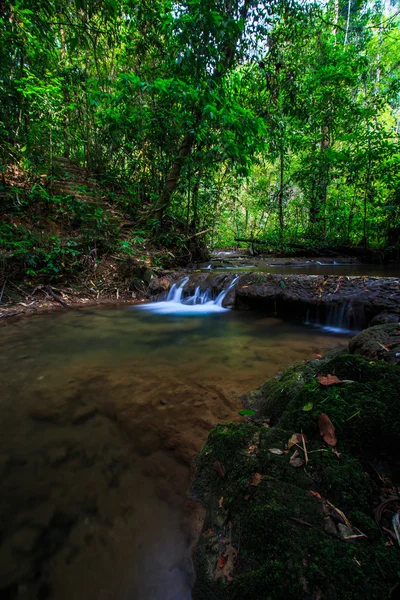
[365,413]
[272,398]
[278,526]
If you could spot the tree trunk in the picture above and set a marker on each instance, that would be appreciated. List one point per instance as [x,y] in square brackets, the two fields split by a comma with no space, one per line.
[173,178]
[280,195]
[188,141]
[318,203]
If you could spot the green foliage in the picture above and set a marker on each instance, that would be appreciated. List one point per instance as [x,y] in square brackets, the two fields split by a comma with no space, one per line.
[275,121]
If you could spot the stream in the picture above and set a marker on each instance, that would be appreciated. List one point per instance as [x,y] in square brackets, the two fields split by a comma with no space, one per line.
[101,414]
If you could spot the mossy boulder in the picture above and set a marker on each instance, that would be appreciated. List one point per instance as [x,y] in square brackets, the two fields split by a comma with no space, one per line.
[270,532]
[380,341]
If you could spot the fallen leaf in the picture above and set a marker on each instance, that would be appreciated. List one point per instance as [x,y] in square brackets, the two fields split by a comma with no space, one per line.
[222,561]
[275,451]
[226,563]
[256,479]
[328,380]
[327,430]
[295,460]
[318,356]
[221,501]
[247,412]
[220,469]
[336,452]
[316,494]
[296,438]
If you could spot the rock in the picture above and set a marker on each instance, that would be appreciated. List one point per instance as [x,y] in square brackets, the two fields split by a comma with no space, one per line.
[282,527]
[53,410]
[25,539]
[344,531]
[12,567]
[385,317]
[147,275]
[161,284]
[163,402]
[84,413]
[4,461]
[380,341]
[57,455]
[330,527]
[297,295]
[40,517]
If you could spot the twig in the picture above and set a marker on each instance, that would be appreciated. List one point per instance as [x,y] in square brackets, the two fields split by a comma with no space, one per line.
[197,234]
[2,290]
[55,297]
[305,448]
[301,522]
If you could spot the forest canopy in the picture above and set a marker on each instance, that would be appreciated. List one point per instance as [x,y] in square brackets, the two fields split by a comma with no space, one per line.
[278,121]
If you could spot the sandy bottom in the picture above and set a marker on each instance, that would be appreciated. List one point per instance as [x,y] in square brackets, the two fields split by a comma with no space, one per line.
[101,413]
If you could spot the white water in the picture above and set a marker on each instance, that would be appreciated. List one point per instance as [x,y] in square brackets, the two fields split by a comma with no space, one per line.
[199,303]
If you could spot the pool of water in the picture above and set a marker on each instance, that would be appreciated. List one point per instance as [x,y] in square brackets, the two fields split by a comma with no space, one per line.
[101,413]
[306,268]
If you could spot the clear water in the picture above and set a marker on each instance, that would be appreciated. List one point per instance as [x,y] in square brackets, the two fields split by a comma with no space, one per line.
[101,413]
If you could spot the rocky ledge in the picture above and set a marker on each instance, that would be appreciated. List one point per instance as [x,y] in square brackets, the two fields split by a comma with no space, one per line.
[301,499]
[356,300]
[318,297]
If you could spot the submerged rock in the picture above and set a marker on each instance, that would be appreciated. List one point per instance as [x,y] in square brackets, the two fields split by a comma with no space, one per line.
[272,531]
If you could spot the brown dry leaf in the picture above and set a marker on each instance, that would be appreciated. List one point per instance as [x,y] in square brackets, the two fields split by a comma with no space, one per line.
[221,501]
[316,494]
[336,452]
[222,561]
[220,469]
[256,479]
[296,438]
[328,380]
[226,563]
[327,430]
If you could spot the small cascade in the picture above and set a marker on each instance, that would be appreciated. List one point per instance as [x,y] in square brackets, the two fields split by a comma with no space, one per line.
[201,302]
[343,318]
[339,318]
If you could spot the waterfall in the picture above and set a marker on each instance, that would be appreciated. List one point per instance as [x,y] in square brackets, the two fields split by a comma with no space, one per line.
[344,318]
[201,302]
[339,318]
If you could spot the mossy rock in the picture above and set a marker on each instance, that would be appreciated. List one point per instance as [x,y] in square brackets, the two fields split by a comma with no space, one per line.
[276,530]
[380,341]
[365,411]
[271,399]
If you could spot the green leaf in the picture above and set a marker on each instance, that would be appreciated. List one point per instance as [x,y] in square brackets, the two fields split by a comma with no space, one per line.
[307,407]
[247,412]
